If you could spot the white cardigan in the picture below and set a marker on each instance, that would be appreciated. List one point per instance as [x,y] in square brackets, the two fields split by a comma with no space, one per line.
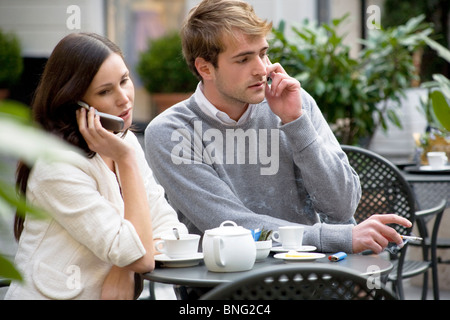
[68,255]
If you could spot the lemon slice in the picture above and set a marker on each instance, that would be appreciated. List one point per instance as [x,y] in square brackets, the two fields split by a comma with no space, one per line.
[298,255]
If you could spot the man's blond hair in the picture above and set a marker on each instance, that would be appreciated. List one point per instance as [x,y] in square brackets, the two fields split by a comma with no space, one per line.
[206,25]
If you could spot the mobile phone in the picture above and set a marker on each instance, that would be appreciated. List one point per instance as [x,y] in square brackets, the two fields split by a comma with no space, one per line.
[108,121]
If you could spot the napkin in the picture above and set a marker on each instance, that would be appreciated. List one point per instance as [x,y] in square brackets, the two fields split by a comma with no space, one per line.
[256,234]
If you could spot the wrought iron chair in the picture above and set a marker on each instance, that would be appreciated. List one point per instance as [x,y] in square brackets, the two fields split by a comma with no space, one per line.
[429,245]
[301,282]
[385,190]
[427,196]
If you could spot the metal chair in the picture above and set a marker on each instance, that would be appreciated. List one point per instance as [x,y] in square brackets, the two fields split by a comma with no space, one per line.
[431,243]
[428,194]
[385,190]
[301,282]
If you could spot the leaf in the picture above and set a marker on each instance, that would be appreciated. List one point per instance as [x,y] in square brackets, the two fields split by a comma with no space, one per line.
[8,194]
[443,83]
[8,271]
[15,110]
[442,51]
[392,116]
[265,235]
[29,143]
[441,108]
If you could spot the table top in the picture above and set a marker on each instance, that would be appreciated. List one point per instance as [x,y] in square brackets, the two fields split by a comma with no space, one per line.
[411,174]
[199,276]
[429,188]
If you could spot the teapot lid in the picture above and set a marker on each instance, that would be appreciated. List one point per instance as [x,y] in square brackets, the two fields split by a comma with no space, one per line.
[225,230]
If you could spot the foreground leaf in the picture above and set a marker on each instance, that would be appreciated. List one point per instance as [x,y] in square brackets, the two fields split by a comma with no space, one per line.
[8,271]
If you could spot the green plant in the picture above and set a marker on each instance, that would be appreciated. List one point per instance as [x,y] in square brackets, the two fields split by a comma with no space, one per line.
[352,92]
[11,62]
[265,235]
[162,68]
[397,12]
[439,92]
[21,139]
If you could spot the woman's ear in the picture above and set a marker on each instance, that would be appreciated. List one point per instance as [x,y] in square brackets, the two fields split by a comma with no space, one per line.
[204,68]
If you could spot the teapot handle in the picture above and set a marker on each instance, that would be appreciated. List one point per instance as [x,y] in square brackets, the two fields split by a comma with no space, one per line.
[228,222]
[217,244]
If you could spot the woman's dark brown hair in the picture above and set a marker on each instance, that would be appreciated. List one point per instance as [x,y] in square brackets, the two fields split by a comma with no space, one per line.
[67,75]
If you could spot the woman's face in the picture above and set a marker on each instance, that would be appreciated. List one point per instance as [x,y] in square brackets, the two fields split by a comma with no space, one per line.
[112,91]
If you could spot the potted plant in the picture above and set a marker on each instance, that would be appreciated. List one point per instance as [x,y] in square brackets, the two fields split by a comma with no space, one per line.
[164,73]
[352,92]
[11,63]
[437,109]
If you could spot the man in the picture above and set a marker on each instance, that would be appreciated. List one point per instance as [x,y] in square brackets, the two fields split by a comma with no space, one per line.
[256,153]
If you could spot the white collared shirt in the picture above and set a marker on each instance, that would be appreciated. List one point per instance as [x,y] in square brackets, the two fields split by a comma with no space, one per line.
[209,109]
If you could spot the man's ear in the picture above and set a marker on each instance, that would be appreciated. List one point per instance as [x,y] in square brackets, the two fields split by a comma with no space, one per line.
[204,68]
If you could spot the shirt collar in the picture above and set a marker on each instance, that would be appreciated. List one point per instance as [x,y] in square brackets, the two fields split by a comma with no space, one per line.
[209,109]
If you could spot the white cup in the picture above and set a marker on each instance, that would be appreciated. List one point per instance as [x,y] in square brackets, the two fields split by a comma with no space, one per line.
[437,160]
[185,247]
[290,237]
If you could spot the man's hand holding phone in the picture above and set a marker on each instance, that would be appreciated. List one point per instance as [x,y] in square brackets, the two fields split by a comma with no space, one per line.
[284,93]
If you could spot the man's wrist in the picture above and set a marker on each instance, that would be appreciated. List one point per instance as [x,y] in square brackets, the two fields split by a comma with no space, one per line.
[287,119]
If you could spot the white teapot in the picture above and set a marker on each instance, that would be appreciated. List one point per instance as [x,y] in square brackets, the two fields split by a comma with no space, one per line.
[229,248]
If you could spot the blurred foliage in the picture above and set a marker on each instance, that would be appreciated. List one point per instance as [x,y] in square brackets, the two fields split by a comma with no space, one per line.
[438,108]
[437,13]
[21,139]
[11,62]
[353,93]
[162,68]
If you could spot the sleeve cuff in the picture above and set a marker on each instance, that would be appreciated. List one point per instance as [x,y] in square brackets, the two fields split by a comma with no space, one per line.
[336,237]
[127,246]
[300,132]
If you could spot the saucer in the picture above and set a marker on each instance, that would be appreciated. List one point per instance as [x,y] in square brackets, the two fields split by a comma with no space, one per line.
[430,168]
[179,262]
[302,248]
[294,256]
[427,169]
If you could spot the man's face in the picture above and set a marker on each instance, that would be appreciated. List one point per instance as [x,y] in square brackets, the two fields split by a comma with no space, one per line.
[240,77]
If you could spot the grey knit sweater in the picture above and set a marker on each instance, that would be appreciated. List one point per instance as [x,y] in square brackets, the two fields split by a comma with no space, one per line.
[259,174]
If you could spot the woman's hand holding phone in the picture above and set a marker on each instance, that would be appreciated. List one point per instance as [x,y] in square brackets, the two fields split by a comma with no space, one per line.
[284,93]
[108,121]
[98,138]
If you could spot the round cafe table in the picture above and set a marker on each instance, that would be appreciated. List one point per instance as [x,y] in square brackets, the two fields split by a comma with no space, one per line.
[199,276]
[429,187]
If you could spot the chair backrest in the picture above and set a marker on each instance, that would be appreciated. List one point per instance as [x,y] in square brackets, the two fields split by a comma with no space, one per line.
[300,282]
[384,189]
[423,216]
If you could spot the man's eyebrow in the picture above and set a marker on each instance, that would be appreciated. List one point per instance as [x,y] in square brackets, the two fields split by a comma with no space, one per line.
[245,53]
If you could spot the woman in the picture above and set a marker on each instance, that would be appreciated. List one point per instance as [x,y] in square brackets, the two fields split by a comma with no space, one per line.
[105,206]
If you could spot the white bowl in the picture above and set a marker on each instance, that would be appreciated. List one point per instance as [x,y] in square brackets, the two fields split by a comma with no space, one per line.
[263,249]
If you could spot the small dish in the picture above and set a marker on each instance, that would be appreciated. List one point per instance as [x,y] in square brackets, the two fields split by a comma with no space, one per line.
[179,262]
[295,256]
[302,249]
[263,249]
